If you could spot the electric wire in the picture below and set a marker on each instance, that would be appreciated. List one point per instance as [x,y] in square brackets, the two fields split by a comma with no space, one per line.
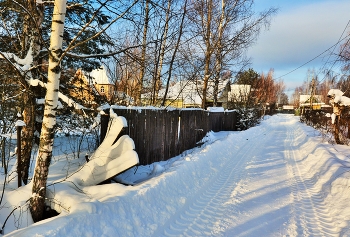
[312,59]
[334,62]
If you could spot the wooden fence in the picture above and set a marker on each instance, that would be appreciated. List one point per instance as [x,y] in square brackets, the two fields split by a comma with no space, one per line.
[340,129]
[163,134]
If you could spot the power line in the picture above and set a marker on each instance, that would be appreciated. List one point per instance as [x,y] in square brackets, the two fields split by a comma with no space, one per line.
[312,58]
[332,53]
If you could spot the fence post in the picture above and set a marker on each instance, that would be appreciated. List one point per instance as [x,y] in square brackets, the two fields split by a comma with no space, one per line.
[104,126]
[337,112]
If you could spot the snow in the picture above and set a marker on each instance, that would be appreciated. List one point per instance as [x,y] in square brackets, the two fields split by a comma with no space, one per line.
[25,62]
[100,76]
[342,100]
[335,92]
[189,91]
[109,159]
[280,178]
[20,123]
[216,109]
[337,97]
[69,102]
[239,92]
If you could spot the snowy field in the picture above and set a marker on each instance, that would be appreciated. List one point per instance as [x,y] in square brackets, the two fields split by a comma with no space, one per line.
[280,178]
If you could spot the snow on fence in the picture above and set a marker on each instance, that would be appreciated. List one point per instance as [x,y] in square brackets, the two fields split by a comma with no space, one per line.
[163,134]
[321,119]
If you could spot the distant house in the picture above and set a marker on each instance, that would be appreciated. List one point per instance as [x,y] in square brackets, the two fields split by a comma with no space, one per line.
[89,87]
[81,90]
[188,94]
[237,94]
[315,103]
[102,82]
[287,109]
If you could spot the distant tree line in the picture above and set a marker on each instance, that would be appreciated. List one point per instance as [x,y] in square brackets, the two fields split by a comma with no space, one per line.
[264,91]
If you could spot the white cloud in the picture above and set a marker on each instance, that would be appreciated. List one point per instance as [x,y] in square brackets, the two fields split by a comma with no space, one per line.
[298,34]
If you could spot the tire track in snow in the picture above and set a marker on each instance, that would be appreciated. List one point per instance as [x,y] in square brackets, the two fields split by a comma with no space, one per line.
[310,214]
[199,215]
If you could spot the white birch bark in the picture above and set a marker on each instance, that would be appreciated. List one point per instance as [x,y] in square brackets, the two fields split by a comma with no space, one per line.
[43,160]
[162,53]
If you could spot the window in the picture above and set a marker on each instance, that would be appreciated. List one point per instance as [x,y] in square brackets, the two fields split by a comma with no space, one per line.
[102,89]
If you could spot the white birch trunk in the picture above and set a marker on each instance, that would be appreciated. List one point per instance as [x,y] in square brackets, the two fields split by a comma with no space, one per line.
[208,50]
[218,48]
[162,53]
[143,55]
[43,160]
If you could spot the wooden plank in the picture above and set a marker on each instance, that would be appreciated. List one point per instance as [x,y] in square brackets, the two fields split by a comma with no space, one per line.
[160,134]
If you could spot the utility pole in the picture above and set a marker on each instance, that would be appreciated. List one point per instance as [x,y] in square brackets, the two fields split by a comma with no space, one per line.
[312,92]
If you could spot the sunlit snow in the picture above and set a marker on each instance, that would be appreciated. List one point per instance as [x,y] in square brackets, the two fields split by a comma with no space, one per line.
[280,178]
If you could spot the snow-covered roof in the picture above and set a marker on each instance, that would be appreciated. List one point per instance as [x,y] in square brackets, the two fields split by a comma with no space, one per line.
[239,92]
[304,98]
[100,76]
[191,91]
[188,91]
[288,106]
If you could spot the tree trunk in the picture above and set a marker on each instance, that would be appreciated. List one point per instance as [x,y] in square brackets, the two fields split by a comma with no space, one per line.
[336,130]
[31,39]
[143,55]
[174,53]
[161,56]
[208,53]
[218,59]
[27,134]
[37,202]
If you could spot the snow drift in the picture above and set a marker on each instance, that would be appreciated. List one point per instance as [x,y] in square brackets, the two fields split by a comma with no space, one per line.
[277,179]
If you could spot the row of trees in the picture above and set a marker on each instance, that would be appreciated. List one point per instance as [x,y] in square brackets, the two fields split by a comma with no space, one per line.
[330,80]
[264,89]
[147,44]
[322,86]
[185,40]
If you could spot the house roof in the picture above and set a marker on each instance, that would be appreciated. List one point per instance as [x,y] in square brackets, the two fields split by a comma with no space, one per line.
[190,91]
[99,76]
[305,98]
[239,92]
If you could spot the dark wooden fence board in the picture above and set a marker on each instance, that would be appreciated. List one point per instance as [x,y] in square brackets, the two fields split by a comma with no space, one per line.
[162,134]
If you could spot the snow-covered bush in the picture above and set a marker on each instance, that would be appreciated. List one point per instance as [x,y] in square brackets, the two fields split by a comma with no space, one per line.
[247,118]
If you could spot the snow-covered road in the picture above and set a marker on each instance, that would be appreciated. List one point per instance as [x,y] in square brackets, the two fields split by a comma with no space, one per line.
[243,196]
[257,190]
[280,178]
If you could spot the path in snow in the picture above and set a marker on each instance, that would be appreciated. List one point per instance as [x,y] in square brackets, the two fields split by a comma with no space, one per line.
[310,215]
[258,191]
[276,179]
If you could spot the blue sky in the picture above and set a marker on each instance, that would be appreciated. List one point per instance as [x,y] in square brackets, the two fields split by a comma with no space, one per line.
[300,31]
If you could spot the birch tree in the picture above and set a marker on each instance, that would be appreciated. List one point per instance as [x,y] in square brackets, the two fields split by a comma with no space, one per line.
[224,30]
[143,53]
[84,32]
[159,64]
[175,51]
[37,202]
